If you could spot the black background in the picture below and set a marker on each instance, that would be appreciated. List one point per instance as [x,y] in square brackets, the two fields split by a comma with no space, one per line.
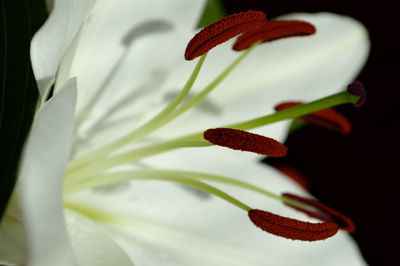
[356,173]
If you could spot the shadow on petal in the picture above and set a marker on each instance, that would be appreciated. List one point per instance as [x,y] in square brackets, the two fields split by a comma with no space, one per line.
[149,27]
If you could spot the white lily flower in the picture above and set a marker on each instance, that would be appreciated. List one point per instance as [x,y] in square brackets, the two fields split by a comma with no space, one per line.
[115,65]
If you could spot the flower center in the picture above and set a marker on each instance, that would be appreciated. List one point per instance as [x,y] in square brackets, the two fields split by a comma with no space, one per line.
[93,169]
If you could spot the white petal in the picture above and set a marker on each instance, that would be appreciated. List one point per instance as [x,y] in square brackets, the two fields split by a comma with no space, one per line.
[54,37]
[45,157]
[116,77]
[129,34]
[92,246]
[170,225]
[12,238]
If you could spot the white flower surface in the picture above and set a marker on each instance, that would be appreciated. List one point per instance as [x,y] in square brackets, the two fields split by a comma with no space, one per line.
[114,66]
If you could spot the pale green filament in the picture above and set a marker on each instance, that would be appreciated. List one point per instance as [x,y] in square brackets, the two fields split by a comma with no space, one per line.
[162,175]
[165,116]
[299,110]
[290,113]
[149,126]
[200,96]
[90,212]
[197,140]
[176,176]
[107,163]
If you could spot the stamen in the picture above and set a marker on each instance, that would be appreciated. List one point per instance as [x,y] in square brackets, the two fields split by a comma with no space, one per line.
[141,131]
[71,186]
[322,212]
[327,118]
[114,177]
[286,227]
[274,30]
[357,88]
[210,87]
[96,162]
[245,141]
[290,113]
[102,164]
[292,173]
[292,228]
[223,30]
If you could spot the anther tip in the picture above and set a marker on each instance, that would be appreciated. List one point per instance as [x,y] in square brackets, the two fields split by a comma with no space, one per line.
[223,30]
[292,228]
[274,30]
[357,88]
[322,212]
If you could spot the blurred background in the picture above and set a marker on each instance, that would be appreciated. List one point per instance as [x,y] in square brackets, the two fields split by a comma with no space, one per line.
[355,173]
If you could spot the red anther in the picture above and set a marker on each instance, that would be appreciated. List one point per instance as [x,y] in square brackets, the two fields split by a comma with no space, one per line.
[292,173]
[357,88]
[327,118]
[274,30]
[245,141]
[292,228]
[322,212]
[286,105]
[223,30]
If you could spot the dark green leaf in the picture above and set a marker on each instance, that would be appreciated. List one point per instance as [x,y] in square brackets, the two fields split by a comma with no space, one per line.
[18,91]
[213,11]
